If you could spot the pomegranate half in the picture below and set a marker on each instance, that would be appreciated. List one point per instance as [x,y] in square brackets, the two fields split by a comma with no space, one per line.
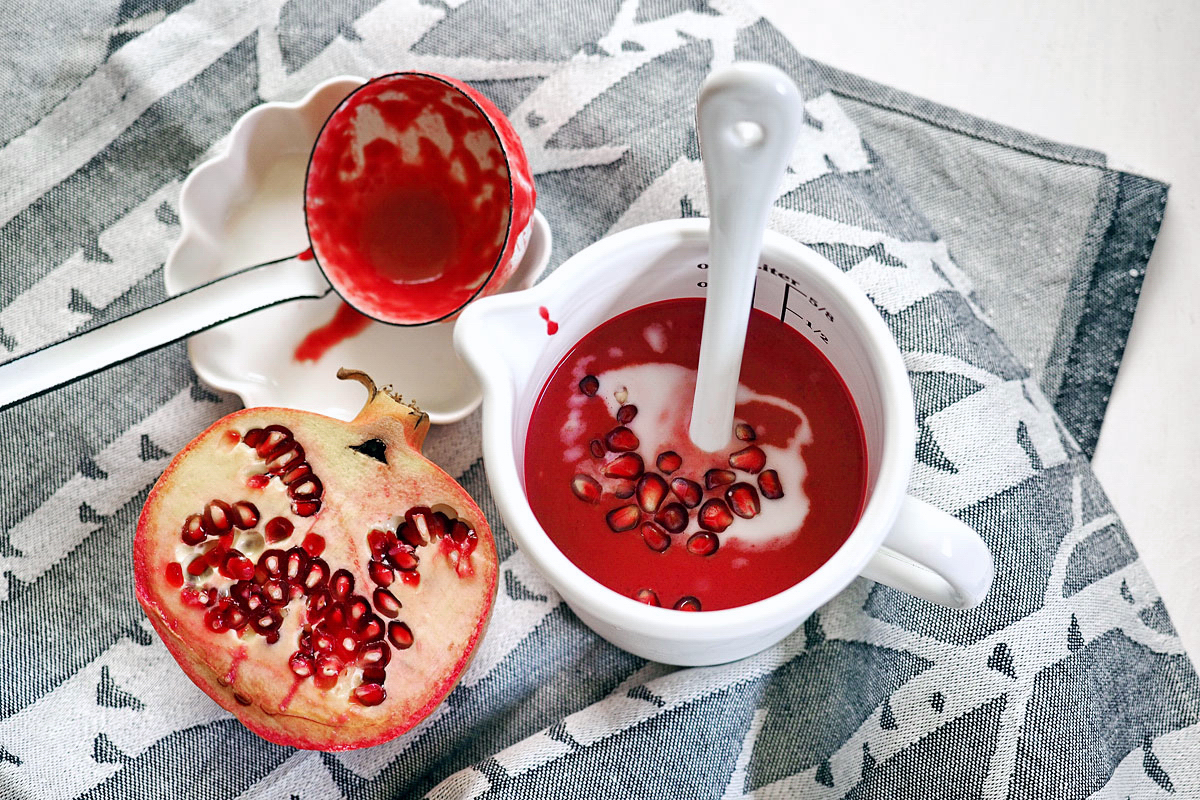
[320,579]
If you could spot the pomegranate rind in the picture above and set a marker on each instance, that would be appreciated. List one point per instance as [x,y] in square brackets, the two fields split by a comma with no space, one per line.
[448,610]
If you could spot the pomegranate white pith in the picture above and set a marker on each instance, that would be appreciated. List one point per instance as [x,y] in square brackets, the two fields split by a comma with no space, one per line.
[319,628]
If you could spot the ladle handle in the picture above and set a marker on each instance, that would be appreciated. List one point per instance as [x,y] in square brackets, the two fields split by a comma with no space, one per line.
[197,309]
[748,117]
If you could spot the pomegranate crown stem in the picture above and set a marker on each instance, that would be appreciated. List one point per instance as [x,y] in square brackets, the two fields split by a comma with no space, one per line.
[374,391]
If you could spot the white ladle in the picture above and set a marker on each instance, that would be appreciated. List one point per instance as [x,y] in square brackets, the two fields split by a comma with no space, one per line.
[748,117]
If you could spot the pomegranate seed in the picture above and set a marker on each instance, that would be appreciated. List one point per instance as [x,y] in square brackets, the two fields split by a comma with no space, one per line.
[621,440]
[718,477]
[341,586]
[651,489]
[400,635]
[356,610]
[295,590]
[646,596]
[589,385]
[597,448]
[586,488]
[295,565]
[403,556]
[245,514]
[373,674]
[687,603]
[253,437]
[276,591]
[247,595]
[214,621]
[369,694]
[417,520]
[198,566]
[278,529]
[626,465]
[372,629]
[624,489]
[688,491]
[306,508]
[655,537]
[376,654]
[257,481]
[623,518]
[411,578]
[175,574]
[276,437]
[668,462]
[743,500]
[381,573]
[714,516]
[190,597]
[317,606]
[703,543]
[297,473]
[625,414]
[406,534]
[347,647]
[459,532]
[621,395]
[314,544]
[268,622]
[769,485]
[301,664]
[377,541]
[673,517]
[751,459]
[234,618]
[386,603]
[217,518]
[270,565]
[443,522]
[317,576]
[744,432]
[310,488]
[237,566]
[286,459]
[328,666]
[193,530]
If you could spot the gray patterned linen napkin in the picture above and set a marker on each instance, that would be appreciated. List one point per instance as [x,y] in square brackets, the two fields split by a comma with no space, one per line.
[1068,682]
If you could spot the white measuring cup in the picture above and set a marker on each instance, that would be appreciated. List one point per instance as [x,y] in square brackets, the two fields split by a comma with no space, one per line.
[899,540]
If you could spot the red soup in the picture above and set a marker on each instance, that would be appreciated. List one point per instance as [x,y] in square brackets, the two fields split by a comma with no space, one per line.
[618,486]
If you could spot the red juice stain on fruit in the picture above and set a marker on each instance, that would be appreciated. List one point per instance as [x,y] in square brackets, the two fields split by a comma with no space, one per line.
[653,517]
[551,325]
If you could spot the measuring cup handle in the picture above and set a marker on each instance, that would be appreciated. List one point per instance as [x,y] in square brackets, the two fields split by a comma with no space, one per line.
[197,309]
[934,556]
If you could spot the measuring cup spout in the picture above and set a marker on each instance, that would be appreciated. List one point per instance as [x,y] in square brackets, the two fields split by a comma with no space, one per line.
[209,304]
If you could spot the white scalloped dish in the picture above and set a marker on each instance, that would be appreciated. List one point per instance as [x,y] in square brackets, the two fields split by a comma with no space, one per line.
[245,207]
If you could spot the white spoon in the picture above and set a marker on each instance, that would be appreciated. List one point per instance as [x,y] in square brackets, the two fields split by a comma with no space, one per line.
[748,117]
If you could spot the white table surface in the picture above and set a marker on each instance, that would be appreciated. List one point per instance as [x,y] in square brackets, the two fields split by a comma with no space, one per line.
[1120,77]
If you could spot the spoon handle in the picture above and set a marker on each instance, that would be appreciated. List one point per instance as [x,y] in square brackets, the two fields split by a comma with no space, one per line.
[748,117]
[197,309]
